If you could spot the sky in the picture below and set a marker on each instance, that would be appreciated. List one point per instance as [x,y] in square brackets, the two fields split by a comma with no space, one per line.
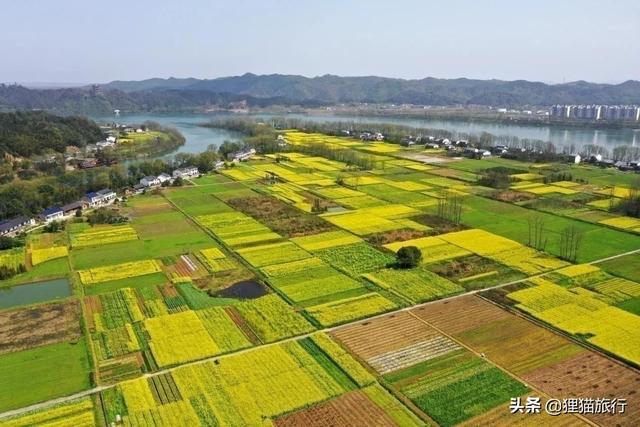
[97,41]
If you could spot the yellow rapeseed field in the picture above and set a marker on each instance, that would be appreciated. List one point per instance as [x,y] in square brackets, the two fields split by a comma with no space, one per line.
[178,338]
[119,271]
[623,222]
[39,256]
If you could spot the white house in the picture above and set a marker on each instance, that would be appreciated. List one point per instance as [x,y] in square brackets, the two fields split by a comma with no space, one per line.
[163,177]
[100,198]
[52,214]
[105,144]
[219,165]
[150,181]
[111,139]
[13,226]
[243,155]
[188,172]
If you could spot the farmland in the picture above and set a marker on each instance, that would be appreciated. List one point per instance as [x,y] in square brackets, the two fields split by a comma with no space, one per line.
[272,293]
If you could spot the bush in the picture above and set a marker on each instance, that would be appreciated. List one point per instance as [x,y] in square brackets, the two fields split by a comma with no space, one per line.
[106,216]
[496,179]
[7,242]
[54,227]
[409,257]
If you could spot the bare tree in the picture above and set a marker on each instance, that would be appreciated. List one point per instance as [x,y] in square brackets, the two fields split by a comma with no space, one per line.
[570,242]
[450,207]
[537,239]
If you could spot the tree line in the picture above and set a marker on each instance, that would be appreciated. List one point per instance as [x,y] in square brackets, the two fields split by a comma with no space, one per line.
[27,133]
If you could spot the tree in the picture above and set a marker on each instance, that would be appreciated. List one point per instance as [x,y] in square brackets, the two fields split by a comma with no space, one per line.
[570,242]
[54,227]
[408,257]
[228,147]
[537,240]
[630,204]
[7,242]
[450,208]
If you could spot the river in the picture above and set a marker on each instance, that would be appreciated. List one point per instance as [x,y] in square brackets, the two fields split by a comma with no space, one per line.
[199,138]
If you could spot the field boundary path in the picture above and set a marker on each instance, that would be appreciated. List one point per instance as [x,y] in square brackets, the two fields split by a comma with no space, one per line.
[89,392]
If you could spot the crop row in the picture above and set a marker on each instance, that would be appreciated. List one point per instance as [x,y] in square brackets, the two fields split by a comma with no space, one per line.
[103,235]
[119,271]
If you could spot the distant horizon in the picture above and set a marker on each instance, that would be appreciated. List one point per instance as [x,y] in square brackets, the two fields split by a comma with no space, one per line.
[63,85]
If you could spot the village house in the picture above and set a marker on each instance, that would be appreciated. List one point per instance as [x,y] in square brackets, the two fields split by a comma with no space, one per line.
[99,198]
[52,214]
[241,156]
[188,172]
[13,226]
[70,209]
[219,165]
[101,145]
[150,181]
[138,189]
[369,136]
[164,177]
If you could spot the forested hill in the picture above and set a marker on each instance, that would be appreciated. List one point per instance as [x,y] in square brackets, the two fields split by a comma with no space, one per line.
[428,91]
[104,101]
[187,95]
[32,132]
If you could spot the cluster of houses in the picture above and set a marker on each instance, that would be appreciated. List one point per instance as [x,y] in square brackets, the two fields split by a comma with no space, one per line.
[152,181]
[371,136]
[91,200]
[13,226]
[623,166]
[462,146]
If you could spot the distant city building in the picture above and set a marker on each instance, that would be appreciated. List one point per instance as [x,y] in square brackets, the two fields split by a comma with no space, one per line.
[596,112]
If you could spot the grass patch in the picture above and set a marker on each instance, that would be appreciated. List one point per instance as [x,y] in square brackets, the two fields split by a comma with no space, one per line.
[43,373]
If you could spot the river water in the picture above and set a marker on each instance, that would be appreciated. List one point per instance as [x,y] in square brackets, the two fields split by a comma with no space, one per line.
[199,138]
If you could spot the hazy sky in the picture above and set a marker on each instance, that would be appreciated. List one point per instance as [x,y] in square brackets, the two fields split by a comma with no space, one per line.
[98,41]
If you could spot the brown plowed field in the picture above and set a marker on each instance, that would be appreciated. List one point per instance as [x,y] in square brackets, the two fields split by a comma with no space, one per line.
[26,328]
[353,409]
[547,361]
[460,314]
[502,417]
[504,338]
[378,336]
[591,375]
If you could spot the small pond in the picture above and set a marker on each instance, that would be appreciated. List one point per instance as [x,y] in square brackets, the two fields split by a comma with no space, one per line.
[247,289]
[34,292]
